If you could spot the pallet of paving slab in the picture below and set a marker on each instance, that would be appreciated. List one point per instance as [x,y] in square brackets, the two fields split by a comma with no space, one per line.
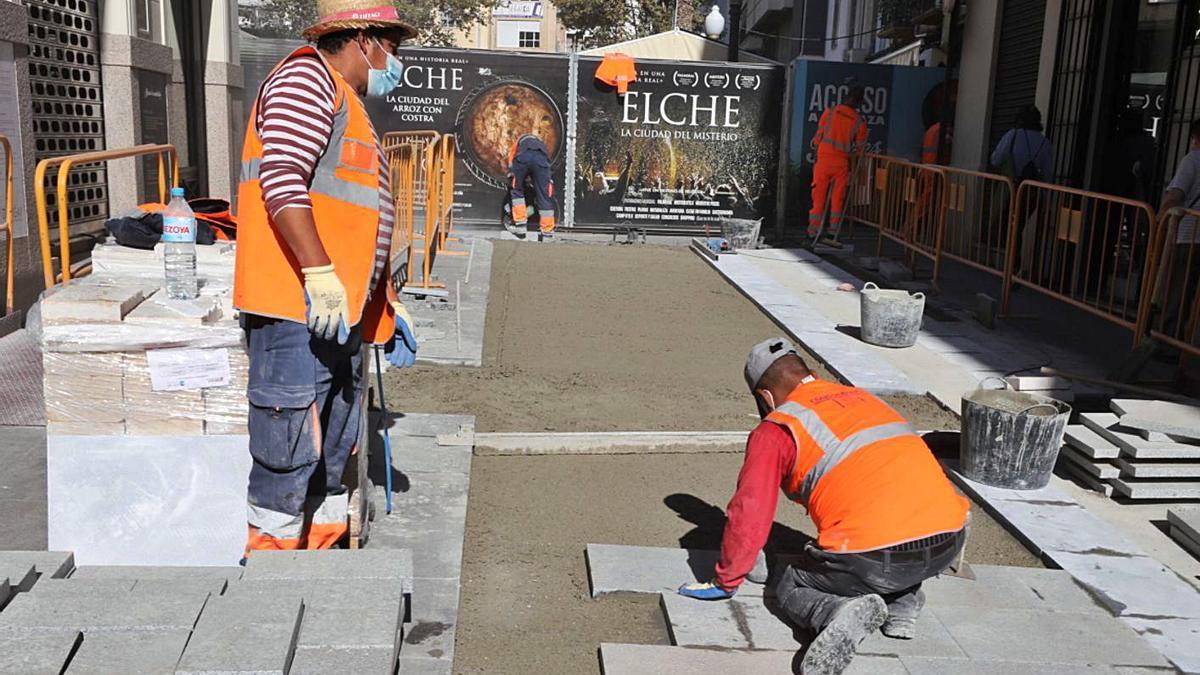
[1183,525]
[1086,441]
[1100,469]
[1157,489]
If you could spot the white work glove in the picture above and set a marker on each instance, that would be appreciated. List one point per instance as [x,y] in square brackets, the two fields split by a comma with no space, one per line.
[328,312]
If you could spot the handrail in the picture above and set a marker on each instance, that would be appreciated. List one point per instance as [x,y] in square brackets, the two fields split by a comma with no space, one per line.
[65,163]
[9,244]
[1169,298]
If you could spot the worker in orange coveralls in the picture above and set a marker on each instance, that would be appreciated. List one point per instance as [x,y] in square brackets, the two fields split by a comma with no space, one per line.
[841,133]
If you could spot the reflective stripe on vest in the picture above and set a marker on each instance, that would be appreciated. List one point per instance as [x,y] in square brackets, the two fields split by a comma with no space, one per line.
[844,146]
[835,449]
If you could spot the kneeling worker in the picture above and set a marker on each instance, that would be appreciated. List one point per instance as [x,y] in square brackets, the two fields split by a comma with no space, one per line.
[530,157]
[887,517]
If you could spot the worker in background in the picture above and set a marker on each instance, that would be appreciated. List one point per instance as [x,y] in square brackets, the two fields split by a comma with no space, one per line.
[311,277]
[841,134]
[931,144]
[887,517]
[530,157]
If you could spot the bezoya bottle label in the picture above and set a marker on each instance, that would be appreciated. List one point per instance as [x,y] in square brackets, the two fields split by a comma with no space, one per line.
[179,230]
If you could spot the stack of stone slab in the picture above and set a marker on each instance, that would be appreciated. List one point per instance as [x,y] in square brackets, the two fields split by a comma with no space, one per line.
[95,337]
[1141,450]
[303,613]
[1043,385]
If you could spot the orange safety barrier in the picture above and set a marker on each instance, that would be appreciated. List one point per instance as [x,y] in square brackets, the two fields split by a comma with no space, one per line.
[1173,302]
[868,182]
[9,244]
[65,163]
[422,170]
[977,211]
[1090,250]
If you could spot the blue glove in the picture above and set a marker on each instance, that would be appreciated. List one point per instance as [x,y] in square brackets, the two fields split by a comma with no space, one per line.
[705,591]
[401,351]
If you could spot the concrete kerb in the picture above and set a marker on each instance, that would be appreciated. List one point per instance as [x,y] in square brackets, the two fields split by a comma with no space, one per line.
[609,443]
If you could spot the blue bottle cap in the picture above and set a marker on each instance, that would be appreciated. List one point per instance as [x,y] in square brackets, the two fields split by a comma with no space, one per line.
[176,192]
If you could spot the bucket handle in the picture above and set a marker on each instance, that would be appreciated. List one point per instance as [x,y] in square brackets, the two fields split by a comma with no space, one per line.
[870,286]
[919,295]
[1040,405]
[1002,381]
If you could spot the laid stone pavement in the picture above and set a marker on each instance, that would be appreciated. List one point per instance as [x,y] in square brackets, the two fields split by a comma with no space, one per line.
[1007,620]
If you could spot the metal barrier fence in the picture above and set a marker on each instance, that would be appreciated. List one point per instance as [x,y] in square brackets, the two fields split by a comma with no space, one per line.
[7,227]
[977,212]
[1090,250]
[1093,251]
[1173,314]
[421,166]
[65,163]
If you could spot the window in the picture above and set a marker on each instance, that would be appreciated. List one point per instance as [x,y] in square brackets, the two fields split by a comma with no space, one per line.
[518,34]
[529,39]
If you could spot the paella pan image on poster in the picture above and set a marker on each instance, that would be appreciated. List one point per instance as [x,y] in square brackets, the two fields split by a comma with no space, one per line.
[688,145]
[495,115]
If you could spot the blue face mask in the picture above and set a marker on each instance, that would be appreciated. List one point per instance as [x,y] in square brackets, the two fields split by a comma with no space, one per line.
[380,82]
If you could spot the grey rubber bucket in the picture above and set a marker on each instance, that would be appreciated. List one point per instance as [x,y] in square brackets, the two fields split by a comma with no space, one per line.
[890,318]
[1011,439]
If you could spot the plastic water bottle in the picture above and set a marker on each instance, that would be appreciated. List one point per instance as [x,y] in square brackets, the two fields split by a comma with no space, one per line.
[179,243]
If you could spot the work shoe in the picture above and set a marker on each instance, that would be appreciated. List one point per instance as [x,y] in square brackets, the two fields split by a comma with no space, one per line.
[545,236]
[833,649]
[759,574]
[901,623]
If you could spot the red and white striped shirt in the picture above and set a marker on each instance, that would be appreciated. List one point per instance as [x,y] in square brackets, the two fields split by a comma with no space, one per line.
[295,120]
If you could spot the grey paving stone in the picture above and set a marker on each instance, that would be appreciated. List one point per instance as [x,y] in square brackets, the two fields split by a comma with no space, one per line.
[419,665]
[338,613]
[646,569]
[932,640]
[47,564]
[1049,520]
[1185,540]
[215,586]
[738,623]
[422,424]
[38,652]
[249,633]
[429,520]
[423,454]
[359,660]
[997,586]
[80,587]
[1136,585]
[1186,519]
[129,653]
[433,619]
[1154,435]
[1157,489]
[115,611]
[395,564]
[918,665]
[5,591]
[1135,469]
[1046,637]
[1071,470]
[623,659]
[1175,419]
[1088,442]
[230,573]
[1132,444]
[19,575]
[1097,468]
[1177,639]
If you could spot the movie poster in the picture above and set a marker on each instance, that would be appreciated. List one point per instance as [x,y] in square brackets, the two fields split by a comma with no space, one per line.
[687,145]
[488,100]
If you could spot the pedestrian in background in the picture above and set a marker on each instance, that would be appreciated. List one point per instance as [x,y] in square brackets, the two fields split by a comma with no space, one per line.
[1022,154]
[1181,256]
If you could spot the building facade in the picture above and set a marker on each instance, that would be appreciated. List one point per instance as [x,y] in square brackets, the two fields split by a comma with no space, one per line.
[518,25]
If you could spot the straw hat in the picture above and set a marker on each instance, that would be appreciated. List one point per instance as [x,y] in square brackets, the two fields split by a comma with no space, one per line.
[356,15]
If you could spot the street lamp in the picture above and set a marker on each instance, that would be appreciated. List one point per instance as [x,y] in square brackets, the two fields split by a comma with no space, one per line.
[714,23]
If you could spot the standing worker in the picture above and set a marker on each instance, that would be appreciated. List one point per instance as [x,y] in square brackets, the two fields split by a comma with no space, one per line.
[530,157]
[887,517]
[931,144]
[841,133]
[311,277]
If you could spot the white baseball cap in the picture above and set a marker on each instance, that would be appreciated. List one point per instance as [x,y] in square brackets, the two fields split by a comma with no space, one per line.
[763,355]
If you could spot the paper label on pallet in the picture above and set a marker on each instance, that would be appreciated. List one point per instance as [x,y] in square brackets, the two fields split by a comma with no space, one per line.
[178,369]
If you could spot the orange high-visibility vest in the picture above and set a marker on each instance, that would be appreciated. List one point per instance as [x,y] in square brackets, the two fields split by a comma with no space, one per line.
[840,131]
[929,145]
[345,198]
[867,480]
